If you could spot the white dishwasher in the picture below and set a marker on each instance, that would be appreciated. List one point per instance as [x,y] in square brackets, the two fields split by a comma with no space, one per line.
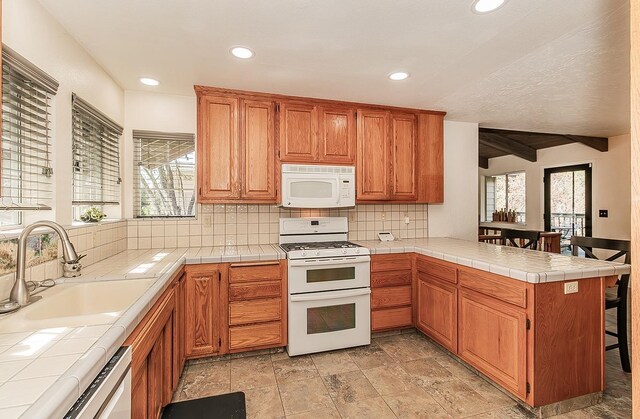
[109,395]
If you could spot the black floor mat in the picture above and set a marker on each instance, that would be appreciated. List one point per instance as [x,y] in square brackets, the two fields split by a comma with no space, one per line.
[225,406]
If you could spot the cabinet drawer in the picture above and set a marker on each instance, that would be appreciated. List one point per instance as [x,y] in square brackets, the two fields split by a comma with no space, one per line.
[390,279]
[240,292]
[439,270]
[508,290]
[257,335]
[392,262]
[254,272]
[391,297]
[256,311]
[391,318]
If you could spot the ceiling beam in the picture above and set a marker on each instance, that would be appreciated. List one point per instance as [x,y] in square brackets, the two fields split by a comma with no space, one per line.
[483,162]
[599,143]
[507,145]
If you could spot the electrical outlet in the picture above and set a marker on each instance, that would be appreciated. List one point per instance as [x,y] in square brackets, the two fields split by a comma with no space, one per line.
[207,220]
[570,287]
[352,216]
[407,220]
[383,215]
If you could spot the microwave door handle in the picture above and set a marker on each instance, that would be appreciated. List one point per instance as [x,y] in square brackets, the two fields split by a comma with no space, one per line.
[330,295]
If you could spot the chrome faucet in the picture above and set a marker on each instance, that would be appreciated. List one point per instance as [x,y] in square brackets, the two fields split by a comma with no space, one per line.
[20,292]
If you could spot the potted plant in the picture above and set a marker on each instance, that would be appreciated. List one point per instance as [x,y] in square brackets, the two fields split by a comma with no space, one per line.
[92,215]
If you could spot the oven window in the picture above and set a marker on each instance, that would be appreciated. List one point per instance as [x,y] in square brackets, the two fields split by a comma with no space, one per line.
[311,189]
[331,318]
[331,274]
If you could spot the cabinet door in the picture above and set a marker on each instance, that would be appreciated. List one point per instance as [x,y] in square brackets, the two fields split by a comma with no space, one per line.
[258,150]
[179,324]
[430,171]
[403,154]
[438,311]
[493,338]
[372,180]
[139,388]
[298,133]
[154,380]
[337,136]
[218,158]
[202,318]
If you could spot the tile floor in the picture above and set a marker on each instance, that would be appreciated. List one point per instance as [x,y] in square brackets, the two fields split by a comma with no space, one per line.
[403,376]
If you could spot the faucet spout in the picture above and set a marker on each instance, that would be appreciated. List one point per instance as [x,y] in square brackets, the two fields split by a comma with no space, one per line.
[20,292]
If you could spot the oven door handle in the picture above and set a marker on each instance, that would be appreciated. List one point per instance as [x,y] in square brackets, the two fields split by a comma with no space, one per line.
[330,295]
[330,261]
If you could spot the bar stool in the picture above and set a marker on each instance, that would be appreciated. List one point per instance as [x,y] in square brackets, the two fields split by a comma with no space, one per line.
[618,301]
[509,237]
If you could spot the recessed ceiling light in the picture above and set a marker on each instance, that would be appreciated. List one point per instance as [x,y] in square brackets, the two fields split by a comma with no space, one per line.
[241,52]
[399,75]
[486,6]
[149,81]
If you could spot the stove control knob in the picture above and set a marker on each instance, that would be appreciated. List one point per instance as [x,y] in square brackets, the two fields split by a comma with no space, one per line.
[317,253]
[304,253]
[357,250]
[344,251]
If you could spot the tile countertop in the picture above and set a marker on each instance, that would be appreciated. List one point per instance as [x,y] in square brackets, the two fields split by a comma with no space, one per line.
[44,371]
[525,265]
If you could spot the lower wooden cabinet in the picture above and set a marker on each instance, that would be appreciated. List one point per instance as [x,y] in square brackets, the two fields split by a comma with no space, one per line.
[202,310]
[257,305]
[437,311]
[155,357]
[391,292]
[493,338]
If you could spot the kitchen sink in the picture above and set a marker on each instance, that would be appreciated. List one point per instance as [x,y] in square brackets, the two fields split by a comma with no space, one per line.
[77,304]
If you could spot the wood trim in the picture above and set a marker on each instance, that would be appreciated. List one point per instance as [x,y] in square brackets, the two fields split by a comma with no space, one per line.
[635,197]
[221,91]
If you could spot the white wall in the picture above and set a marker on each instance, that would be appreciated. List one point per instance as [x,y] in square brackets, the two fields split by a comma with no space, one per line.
[458,216]
[611,182]
[29,30]
[152,112]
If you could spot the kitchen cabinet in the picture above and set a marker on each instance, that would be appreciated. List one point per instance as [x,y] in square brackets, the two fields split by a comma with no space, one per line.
[317,134]
[236,149]
[391,292]
[202,310]
[257,301]
[155,357]
[493,338]
[403,157]
[244,137]
[372,169]
[438,310]
[298,132]
[179,328]
[337,135]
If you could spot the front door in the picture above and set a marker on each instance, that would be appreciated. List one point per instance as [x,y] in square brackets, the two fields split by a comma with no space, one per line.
[567,202]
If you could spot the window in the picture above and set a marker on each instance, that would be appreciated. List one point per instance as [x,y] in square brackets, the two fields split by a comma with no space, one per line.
[164,170]
[506,192]
[96,160]
[26,138]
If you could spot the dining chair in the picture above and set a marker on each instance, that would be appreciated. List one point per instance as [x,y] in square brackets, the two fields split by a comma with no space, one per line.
[619,299]
[516,238]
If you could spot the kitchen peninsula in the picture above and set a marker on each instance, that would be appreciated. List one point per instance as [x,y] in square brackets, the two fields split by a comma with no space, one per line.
[501,310]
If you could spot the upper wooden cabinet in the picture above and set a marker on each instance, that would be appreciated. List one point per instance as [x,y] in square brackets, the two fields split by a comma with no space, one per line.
[337,135]
[298,133]
[372,170]
[236,150]
[317,134]
[243,137]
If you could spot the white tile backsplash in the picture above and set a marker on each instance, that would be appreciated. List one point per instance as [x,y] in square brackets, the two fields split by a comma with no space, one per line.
[242,225]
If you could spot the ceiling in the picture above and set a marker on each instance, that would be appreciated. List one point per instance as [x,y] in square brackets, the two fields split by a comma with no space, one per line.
[544,65]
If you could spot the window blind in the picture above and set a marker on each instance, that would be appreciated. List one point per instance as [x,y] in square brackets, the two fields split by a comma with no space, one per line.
[96,156]
[165,173]
[26,138]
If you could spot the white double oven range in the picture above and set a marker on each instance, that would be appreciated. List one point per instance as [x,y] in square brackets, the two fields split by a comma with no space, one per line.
[329,285]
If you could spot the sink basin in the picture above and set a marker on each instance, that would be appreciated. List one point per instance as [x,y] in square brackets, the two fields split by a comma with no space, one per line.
[78,304]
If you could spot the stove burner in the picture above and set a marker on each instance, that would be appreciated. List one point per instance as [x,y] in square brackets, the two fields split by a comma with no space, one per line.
[289,247]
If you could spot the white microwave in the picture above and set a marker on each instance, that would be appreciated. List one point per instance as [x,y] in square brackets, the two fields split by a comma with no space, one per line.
[312,186]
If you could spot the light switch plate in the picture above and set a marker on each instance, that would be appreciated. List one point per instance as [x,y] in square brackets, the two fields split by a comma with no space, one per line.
[570,287]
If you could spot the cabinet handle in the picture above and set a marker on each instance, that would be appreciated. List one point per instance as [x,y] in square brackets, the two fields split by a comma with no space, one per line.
[247,264]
